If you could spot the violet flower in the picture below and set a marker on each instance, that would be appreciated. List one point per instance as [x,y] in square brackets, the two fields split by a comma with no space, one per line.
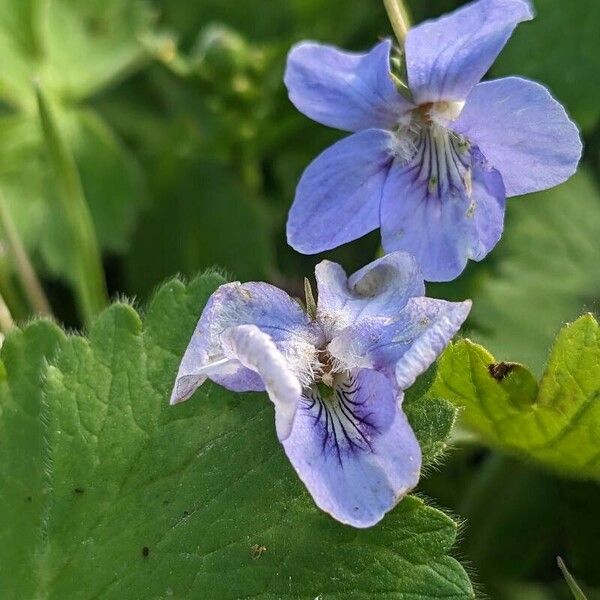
[430,165]
[335,374]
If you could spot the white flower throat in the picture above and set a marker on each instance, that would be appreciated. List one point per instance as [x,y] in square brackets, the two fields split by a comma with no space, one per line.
[437,156]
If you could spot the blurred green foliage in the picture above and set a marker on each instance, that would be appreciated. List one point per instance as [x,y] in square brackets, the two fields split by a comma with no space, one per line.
[189,152]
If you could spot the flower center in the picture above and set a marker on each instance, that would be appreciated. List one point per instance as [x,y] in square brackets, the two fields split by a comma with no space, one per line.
[439,157]
[441,113]
[326,371]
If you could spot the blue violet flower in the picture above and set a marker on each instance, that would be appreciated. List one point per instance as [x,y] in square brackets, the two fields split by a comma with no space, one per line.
[430,165]
[335,373]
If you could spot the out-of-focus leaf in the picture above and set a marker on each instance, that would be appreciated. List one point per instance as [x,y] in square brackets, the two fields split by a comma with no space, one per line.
[187,19]
[581,520]
[144,500]
[560,48]
[511,510]
[545,272]
[21,47]
[24,176]
[201,217]
[110,175]
[525,591]
[76,46]
[557,424]
[92,43]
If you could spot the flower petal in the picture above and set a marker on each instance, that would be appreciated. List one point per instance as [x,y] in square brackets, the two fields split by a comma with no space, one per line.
[443,225]
[260,304]
[256,351]
[381,289]
[523,132]
[404,349]
[355,450]
[338,197]
[345,90]
[446,57]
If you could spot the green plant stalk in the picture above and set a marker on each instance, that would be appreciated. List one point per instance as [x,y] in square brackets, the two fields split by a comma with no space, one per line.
[12,296]
[6,321]
[89,279]
[573,585]
[31,283]
[398,16]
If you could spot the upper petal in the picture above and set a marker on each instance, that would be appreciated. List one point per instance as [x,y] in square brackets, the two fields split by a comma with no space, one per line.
[233,304]
[406,347]
[523,132]
[345,90]
[382,289]
[354,449]
[338,197]
[446,57]
[256,351]
[443,208]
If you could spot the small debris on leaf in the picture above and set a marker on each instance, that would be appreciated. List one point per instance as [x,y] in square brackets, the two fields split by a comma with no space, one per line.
[500,370]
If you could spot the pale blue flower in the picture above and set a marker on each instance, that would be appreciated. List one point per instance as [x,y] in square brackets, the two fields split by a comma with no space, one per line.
[335,376]
[431,166]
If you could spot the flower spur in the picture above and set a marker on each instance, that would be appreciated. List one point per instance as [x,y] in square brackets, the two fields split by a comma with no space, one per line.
[335,374]
[431,168]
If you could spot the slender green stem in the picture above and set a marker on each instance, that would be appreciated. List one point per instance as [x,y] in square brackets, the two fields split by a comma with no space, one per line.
[89,279]
[31,283]
[12,296]
[398,16]
[6,321]
[573,585]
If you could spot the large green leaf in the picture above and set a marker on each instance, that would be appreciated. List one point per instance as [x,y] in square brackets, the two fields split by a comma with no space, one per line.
[560,48]
[22,489]
[144,500]
[556,423]
[545,272]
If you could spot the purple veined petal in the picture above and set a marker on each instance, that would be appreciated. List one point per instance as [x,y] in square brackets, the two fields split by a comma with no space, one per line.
[523,132]
[444,207]
[260,304]
[448,56]
[255,350]
[338,197]
[405,348]
[355,450]
[380,289]
[345,90]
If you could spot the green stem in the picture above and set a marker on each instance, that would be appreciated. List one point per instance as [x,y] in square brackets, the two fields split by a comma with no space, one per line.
[31,283]
[12,296]
[573,585]
[398,16]
[6,321]
[89,280]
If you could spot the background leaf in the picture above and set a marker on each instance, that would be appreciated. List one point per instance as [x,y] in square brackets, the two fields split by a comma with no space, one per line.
[557,424]
[543,272]
[209,220]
